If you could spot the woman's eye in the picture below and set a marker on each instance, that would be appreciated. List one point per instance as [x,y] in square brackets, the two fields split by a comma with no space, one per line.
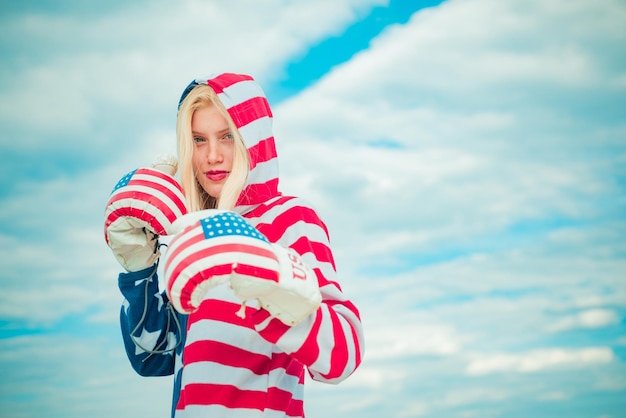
[228,137]
[198,139]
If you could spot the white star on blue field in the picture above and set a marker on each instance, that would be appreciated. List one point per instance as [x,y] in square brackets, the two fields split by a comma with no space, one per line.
[468,157]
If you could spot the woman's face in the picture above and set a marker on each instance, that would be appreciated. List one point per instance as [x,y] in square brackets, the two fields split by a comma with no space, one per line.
[214,149]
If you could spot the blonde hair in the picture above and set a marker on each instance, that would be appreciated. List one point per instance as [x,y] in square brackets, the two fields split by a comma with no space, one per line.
[197,198]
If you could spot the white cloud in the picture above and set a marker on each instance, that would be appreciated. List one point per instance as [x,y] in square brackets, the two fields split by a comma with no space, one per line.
[76,376]
[467,164]
[60,263]
[404,335]
[472,395]
[591,318]
[538,360]
[478,153]
[139,57]
[555,396]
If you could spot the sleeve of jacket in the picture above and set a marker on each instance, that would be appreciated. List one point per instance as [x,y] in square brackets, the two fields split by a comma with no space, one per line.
[151,329]
[330,341]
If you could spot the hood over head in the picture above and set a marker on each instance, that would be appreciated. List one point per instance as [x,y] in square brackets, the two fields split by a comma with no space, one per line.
[248,107]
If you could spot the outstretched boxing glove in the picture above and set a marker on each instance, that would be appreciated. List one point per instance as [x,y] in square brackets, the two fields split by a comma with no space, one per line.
[142,206]
[218,247]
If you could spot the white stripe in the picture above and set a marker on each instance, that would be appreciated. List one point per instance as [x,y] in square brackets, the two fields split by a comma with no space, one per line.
[270,413]
[153,178]
[156,191]
[263,172]
[327,269]
[240,92]
[172,263]
[208,372]
[315,234]
[211,330]
[156,178]
[256,131]
[298,229]
[157,197]
[229,257]
[209,262]
[241,377]
[289,383]
[277,210]
[323,363]
[195,411]
[295,336]
[125,204]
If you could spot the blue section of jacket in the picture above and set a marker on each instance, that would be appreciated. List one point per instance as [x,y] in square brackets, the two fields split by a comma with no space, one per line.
[153,332]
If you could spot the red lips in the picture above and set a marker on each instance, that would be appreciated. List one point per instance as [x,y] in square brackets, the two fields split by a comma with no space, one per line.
[216,175]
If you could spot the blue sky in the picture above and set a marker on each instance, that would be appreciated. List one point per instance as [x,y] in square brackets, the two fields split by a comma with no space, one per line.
[468,156]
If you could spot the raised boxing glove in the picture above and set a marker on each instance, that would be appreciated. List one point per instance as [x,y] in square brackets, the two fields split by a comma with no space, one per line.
[142,206]
[217,247]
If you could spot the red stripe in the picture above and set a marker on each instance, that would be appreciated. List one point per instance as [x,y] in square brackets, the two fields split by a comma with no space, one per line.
[174,193]
[145,199]
[259,317]
[274,329]
[218,270]
[250,110]
[226,312]
[279,225]
[222,311]
[321,251]
[346,304]
[172,189]
[138,214]
[223,81]
[288,363]
[263,151]
[260,192]
[158,173]
[310,350]
[183,241]
[357,346]
[200,277]
[323,281]
[200,274]
[264,208]
[226,355]
[282,400]
[258,272]
[339,353]
[226,395]
[231,397]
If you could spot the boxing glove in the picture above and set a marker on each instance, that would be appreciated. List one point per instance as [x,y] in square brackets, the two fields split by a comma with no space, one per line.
[220,247]
[143,205]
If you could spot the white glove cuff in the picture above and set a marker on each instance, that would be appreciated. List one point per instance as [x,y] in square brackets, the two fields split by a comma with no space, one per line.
[297,293]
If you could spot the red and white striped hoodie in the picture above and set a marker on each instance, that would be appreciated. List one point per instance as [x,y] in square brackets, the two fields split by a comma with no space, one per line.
[254,367]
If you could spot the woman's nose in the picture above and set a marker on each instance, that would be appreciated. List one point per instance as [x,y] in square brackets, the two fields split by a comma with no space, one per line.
[214,154]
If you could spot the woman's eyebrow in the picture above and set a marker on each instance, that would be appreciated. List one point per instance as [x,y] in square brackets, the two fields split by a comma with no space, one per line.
[220,132]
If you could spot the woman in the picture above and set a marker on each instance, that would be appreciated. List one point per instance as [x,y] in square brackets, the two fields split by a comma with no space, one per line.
[226,365]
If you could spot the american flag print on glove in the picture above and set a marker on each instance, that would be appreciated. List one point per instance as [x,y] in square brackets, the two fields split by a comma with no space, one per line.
[148,195]
[143,205]
[205,252]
